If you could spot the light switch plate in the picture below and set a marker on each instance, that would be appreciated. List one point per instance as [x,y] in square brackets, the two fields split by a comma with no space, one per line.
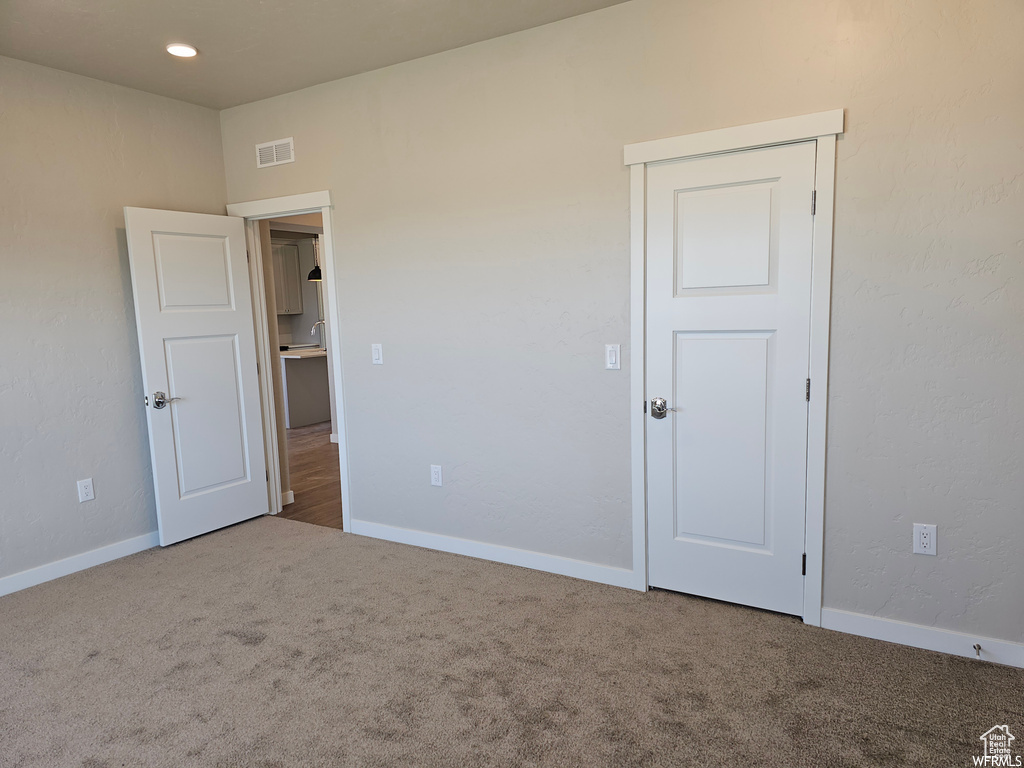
[612,357]
[377,354]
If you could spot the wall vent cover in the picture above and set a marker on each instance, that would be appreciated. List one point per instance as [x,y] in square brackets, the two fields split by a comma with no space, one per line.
[275,152]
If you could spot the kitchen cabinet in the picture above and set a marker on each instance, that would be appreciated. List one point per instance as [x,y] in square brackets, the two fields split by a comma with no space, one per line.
[307,399]
[287,279]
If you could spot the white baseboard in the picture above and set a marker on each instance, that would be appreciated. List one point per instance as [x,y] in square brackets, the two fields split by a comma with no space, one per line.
[920,636]
[580,569]
[335,438]
[75,563]
[288,497]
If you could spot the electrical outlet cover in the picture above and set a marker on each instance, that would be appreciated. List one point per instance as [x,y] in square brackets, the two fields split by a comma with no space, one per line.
[924,539]
[85,490]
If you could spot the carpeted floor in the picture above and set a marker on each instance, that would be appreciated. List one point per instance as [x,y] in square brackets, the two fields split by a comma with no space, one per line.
[278,643]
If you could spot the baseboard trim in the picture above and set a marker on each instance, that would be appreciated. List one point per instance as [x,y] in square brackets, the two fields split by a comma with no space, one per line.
[565,566]
[43,573]
[288,497]
[920,636]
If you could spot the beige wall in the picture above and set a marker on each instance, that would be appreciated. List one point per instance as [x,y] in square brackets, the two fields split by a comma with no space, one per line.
[75,151]
[481,222]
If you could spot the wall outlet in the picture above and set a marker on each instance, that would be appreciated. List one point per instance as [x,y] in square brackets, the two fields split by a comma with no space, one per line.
[435,474]
[924,539]
[85,491]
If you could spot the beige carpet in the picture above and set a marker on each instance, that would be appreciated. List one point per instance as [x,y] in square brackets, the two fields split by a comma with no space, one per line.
[278,643]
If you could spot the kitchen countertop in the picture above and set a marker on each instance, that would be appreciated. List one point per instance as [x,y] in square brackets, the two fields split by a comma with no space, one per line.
[301,354]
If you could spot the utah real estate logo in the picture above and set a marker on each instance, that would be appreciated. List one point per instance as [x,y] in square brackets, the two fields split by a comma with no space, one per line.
[998,748]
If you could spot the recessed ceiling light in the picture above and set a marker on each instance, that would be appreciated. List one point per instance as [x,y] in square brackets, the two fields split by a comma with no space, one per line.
[182,50]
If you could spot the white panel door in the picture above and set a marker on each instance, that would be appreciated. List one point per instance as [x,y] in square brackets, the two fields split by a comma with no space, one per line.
[728,324]
[197,341]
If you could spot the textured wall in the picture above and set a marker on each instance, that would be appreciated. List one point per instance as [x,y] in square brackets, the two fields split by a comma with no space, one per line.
[75,151]
[482,220]
[927,404]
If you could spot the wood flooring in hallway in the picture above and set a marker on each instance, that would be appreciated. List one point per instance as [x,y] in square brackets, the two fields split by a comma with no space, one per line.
[315,477]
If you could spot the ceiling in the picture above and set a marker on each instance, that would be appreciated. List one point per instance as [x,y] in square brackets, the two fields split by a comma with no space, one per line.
[254,49]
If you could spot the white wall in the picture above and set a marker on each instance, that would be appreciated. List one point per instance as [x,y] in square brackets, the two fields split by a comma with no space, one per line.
[481,220]
[75,151]
[284,329]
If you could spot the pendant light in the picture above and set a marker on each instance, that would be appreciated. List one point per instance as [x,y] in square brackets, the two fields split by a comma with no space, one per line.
[314,273]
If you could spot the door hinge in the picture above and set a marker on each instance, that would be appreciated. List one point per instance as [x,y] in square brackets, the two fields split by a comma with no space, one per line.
[257,367]
[247,257]
[268,480]
[814,201]
[645,406]
[803,567]
[807,391]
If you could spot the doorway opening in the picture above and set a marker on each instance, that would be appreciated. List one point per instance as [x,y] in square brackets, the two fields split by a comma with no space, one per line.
[296,317]
[304,400]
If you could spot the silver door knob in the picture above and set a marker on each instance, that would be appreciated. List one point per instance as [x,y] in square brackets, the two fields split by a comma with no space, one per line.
[659,408]
[160,400]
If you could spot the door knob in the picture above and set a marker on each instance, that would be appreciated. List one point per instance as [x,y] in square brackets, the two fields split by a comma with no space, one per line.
[659,408]
[160,400]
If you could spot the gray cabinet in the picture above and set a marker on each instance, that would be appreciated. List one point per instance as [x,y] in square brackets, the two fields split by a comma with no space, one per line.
[287,279]
[307,399]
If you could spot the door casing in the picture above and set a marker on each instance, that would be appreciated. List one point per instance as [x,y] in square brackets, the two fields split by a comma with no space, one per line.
[252,212]
[823,128]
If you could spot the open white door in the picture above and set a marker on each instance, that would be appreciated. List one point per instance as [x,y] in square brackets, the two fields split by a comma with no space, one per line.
[193,309]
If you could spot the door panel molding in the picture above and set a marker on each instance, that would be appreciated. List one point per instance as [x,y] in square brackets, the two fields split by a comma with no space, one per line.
[822,128]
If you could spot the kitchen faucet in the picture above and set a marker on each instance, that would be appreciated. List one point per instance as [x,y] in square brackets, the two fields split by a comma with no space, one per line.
[312,331]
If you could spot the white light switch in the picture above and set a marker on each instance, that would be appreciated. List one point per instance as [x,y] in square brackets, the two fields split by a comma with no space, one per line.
[611,357]
[377,352]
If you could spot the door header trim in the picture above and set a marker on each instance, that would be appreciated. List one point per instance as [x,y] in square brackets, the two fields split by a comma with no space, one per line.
[787,129]
[273,207]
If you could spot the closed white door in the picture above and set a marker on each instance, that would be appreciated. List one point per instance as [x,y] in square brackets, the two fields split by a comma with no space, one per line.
[728,323]
[197,341]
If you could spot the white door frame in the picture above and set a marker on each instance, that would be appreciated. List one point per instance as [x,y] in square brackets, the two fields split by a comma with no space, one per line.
[822,127]
[270,208]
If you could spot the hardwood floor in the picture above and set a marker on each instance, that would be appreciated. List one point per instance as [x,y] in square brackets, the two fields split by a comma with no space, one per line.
[316,481]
